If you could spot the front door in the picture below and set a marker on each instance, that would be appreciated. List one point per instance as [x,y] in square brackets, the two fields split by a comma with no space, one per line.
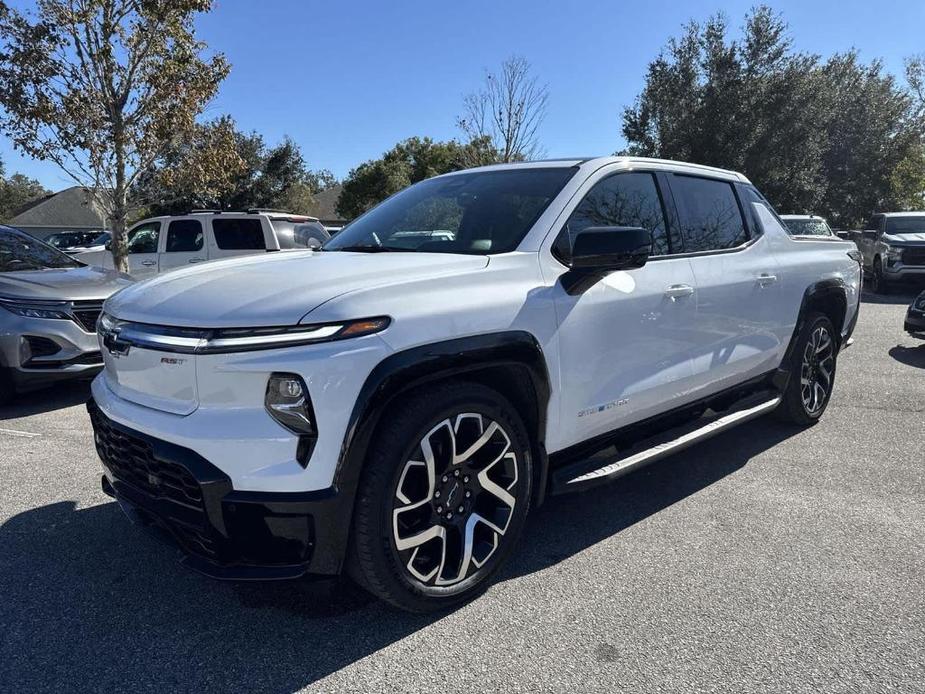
[625,343]
[142,249]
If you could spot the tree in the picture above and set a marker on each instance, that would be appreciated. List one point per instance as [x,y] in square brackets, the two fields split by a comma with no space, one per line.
[837,138]
[408,162]
[16,191]
[245,173]
[506,113]
[915,76]
[102,88]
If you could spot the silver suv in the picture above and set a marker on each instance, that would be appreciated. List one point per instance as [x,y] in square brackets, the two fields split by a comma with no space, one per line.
[49,304]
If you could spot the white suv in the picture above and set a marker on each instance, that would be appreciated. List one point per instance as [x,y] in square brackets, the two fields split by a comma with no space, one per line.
[394,405]
[159,244]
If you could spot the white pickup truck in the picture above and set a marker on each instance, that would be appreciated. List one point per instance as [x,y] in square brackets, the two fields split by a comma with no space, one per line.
[394,405]
[159,244]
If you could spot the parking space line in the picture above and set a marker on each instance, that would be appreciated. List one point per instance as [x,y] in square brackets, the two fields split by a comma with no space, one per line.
[23,434]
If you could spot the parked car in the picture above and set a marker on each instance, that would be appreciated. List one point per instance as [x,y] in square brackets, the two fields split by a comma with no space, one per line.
[159,244]
[100,242]
[915,317]
[396,410]
[893,247]
[49,304]
[68,241]
[807,225]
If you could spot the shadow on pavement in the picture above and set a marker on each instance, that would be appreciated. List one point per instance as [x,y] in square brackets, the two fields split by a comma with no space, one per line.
[910,356]
[57,397]
[897,296]
[90,602]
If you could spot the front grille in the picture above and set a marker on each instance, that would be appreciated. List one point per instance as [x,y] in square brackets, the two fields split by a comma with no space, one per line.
[914,256]
[86,313]
[131,461]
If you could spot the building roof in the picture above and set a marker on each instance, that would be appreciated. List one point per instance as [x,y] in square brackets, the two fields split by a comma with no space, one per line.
[325,207]
[70,207]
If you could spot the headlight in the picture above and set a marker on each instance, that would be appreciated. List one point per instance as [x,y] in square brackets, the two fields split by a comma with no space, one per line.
[287,402]
[920,303]
[894,253]
[28,309]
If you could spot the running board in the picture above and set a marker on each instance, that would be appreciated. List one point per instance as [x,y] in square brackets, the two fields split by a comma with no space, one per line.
[588,473]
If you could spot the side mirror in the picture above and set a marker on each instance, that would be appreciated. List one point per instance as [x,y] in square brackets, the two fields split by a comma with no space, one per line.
[598,251]
[108,246]
[871,234]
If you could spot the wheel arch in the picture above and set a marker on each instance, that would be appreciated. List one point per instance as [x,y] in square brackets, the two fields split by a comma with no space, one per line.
[829,297]
[510,362]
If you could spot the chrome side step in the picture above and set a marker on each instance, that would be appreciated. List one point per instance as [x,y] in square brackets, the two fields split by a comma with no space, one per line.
[578,476]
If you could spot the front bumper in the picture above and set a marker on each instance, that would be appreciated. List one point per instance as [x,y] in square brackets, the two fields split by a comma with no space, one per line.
[221,532]
[900,272]
[915,323]
[38,351]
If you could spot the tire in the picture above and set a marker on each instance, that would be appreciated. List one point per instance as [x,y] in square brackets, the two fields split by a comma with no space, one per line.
[410,478]
[812,372]
[878,283]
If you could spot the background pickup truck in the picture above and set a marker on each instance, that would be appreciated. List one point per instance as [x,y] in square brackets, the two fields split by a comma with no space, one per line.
[893,248]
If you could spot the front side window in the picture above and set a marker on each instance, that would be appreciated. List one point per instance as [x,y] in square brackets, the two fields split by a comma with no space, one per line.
[144,238]
[184,236]
[711,219]
[19,251]
[475,213]
[621,200]
[239,234]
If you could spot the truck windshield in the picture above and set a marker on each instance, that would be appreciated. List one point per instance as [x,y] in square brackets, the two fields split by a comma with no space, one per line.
[905,225]
[808,227]
[19,251]
[475,213]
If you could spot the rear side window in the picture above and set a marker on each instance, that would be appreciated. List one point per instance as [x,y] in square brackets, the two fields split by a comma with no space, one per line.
[184,235]
[621,200]
[711,219]
[239,234]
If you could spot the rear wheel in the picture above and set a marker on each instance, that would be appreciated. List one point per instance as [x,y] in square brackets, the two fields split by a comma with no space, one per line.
[812,372]
[442,499]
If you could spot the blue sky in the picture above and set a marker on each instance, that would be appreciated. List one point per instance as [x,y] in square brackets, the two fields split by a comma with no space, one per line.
[348,80]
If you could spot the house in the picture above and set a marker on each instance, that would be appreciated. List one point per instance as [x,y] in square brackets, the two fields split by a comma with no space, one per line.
[325,207]
[68,210]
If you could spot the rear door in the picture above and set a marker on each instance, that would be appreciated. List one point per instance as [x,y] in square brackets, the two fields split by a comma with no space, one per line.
[144,241]
[234,236]
[184,244]
[739,303]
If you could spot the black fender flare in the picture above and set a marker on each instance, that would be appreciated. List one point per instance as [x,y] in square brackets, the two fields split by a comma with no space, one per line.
[407,369]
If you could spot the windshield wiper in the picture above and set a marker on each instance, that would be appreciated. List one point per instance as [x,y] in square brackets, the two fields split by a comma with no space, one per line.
[370,248]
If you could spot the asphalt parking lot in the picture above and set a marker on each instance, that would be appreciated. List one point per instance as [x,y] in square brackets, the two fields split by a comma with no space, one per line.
[766,559]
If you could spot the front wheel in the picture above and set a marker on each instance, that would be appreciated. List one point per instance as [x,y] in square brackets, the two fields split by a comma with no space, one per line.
[812,372]
[443,497]
[878,283]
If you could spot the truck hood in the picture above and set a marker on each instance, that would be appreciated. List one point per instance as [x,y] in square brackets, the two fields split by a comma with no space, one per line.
[63,284]
[914,239]
[272,289]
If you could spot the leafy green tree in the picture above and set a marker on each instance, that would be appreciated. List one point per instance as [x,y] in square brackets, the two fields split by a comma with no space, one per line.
[408,162]
[104,87]
[16,191]
[838,138]
[246,173]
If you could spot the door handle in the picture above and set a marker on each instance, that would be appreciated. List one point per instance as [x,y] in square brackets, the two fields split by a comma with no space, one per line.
[765,279]
[196,260]
[149,263]
[679,291]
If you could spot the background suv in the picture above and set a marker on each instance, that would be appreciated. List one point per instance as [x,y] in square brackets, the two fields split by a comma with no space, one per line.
[396,404]
[159,244]
[49,304]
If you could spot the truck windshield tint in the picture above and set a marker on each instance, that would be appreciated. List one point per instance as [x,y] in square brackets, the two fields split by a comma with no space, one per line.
[19,251]
[475,213]
[905,225]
